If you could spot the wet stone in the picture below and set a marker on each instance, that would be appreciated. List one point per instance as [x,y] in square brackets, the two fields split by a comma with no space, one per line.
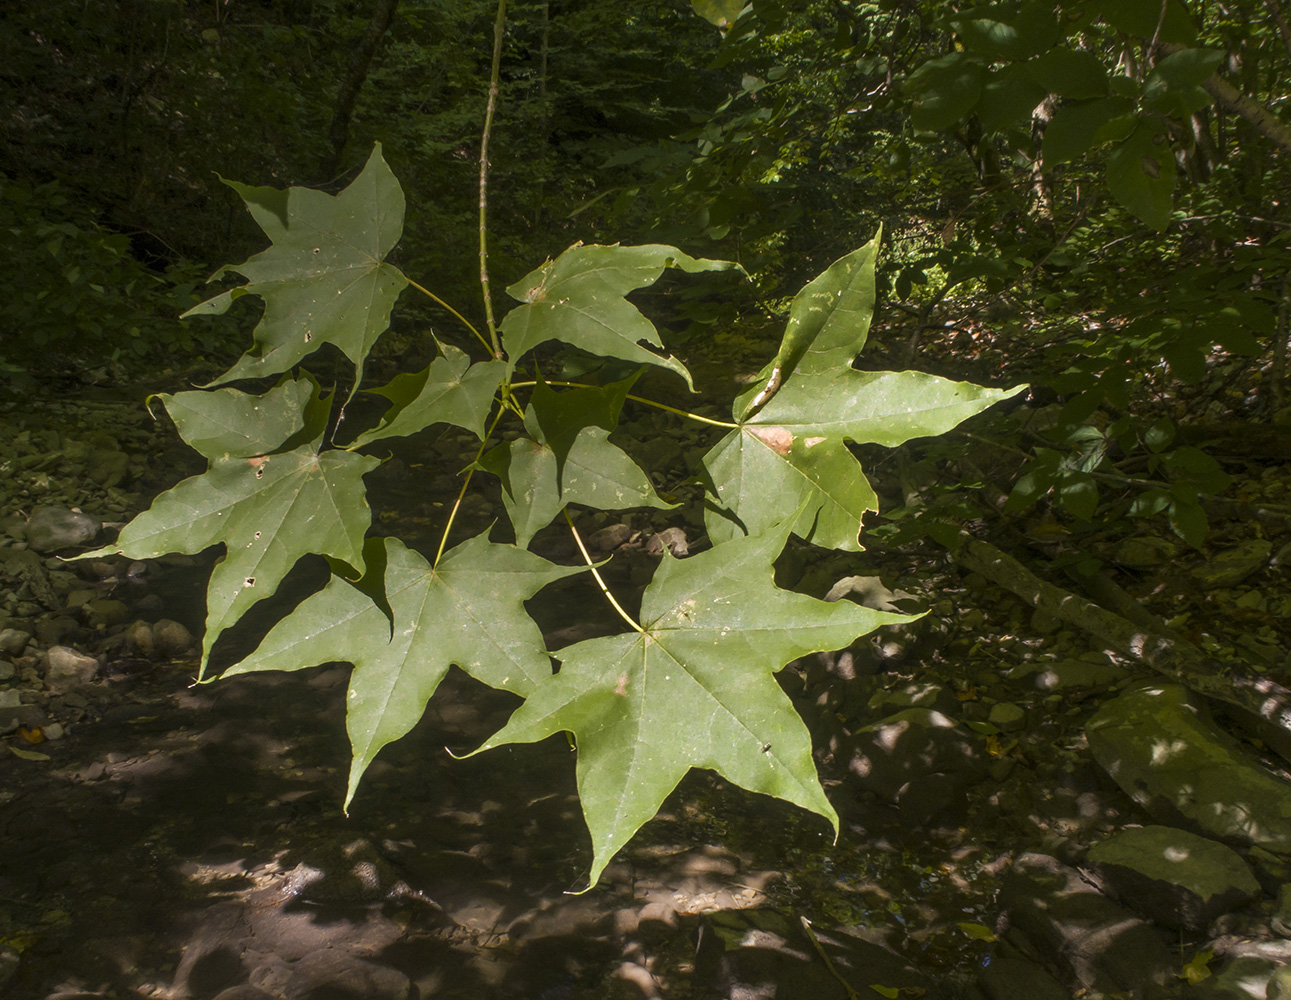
[53,528]
[1231,567]
[66,668]
[13,641]
[1206,781]
[1175,877]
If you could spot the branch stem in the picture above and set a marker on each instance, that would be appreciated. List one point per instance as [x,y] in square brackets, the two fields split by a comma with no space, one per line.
[600,581]
[465,322]
[499,29]
[461,495]
[639,399]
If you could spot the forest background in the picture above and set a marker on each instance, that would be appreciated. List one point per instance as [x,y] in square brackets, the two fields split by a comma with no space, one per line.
[1083,196]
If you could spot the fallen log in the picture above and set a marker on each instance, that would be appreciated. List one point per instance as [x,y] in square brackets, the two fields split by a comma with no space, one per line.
[1259,705]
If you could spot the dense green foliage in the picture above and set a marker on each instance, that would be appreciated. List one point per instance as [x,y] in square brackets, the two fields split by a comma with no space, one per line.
[712,629]
[1089,190]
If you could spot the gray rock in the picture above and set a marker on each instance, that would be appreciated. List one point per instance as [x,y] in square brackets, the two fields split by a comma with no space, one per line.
[1281,919]
[58,630]
[1012,978]
[609,538]
[1231,567]
[244,992]
[13,641]
[7,670]
[66,668]
[1240,979]
[28,716]
[171,638]
[1177,878]
[8,966]
[52,528]
[1054,912]
[1144,551]
[1157,743]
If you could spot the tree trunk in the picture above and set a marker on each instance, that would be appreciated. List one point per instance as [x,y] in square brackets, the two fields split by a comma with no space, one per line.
[339,131]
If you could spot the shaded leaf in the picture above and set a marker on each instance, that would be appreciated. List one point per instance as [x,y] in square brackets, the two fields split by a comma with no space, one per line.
[694,689]
[324,279]
[1009,96]
[1070,73]
[579,299]
[231,424]
[1174,86]
[467,611]
[1141,174]
[1078,127]
[1141,17]
[451,391]
[944,90]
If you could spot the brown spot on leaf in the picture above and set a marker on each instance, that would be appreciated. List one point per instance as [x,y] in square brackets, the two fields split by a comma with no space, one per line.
[777,439]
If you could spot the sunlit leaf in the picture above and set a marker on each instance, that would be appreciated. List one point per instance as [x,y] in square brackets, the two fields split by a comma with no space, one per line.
[579,298]
[267,511]
[325,279]
[694,689]
[468,611]
[451,390]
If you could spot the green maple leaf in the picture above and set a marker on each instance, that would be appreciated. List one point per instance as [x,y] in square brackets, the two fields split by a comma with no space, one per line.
[268,510]
[451,390]
[694,688]
[232,424]
[579,298]
[469,611]
[324,279]
[790,453]
[568,458]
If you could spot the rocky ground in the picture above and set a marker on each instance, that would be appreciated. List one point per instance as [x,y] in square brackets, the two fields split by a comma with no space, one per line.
[1026,814]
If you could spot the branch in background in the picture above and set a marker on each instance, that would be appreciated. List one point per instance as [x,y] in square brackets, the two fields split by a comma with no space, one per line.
[1228,96]
[338,132]
[499,29]
[1258,704]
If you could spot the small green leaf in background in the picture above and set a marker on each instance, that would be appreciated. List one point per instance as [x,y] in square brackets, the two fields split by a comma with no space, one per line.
[468,611]
[579,298]
[325,279]
[1197,968]
[978,932]
[695,688]
[451,391]
[1141,174]
[722,13]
